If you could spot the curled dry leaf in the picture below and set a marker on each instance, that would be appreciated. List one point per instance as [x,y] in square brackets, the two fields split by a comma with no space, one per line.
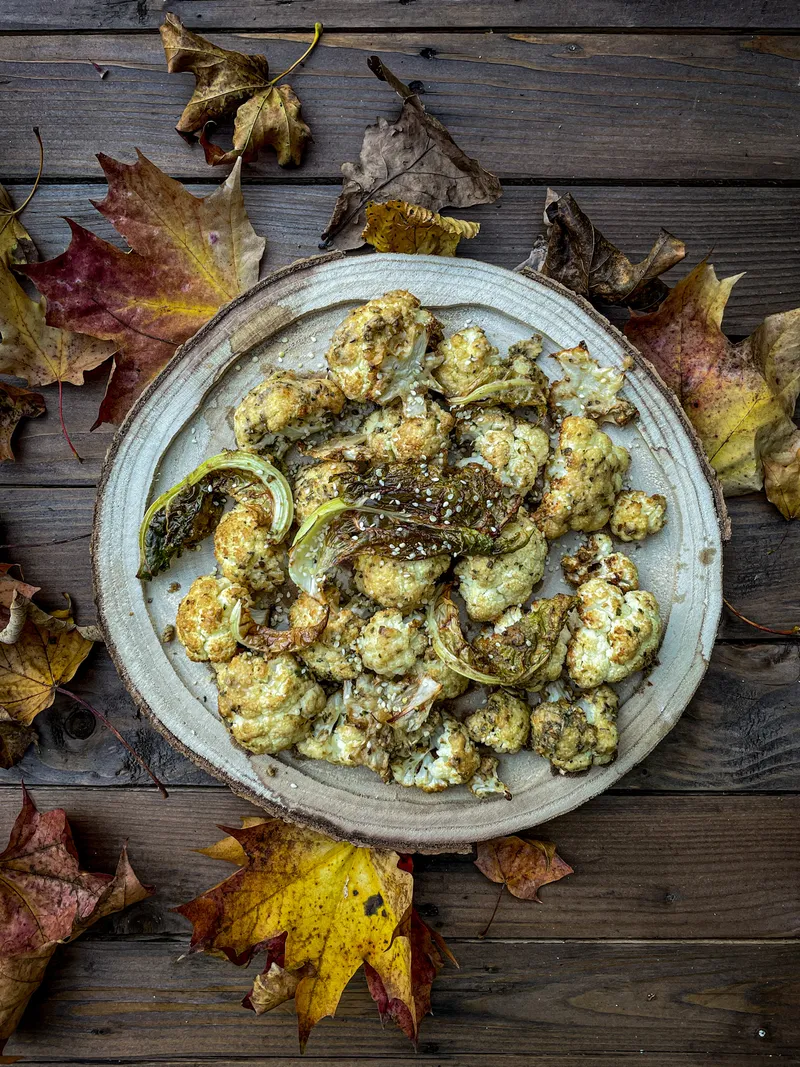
[739,397]
[16,404]
[189,257]
[16,245]
[227,81]
[46,898]
[413,159]
[400,227]
[338,905]
[523,866]
[579,256]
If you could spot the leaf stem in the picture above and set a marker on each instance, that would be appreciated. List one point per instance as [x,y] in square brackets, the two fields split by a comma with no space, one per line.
[15,211]
[63,424]
[101,718]
[795,630]
[485,930]
[305,55]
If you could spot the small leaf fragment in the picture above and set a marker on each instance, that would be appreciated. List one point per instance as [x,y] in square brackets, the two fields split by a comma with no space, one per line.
[523,865]
[15,740]
[16,404]
[576,254]
[16,245]
[413,159]
[400,227]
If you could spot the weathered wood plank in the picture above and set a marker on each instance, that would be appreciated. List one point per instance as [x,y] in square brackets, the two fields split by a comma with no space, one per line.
[604,106]
[138,1003]
[739,734]
[47,531]
[474,1058]
[391,14]
[646,867]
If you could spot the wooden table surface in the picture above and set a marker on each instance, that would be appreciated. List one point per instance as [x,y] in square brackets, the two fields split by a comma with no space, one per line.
[674,944]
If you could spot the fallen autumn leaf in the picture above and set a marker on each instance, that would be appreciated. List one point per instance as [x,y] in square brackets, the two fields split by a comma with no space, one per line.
[400,227]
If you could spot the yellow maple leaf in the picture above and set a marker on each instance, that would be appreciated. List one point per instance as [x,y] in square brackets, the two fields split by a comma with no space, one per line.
[340,906]
[400,227]
[739,397]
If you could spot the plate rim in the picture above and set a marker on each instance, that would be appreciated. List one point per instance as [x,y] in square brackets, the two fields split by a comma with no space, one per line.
[185,350]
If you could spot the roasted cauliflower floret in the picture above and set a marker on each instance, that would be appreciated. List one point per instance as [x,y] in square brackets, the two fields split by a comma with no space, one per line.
[490,584]
[382,351]
[347,736]
[467,360]
[589,389]
[334,657]
[636,515]
[393,437]
[597,559]
[515,380]
[391,643]
[452,683]
[204,616]
[615,634]
[513,449]
[245,553]
[502,724]
[404,584]
[505,632]
[485,783]
[575,734]
[443,758]
[268,703]
[316,485]
[583,478]
[286,404]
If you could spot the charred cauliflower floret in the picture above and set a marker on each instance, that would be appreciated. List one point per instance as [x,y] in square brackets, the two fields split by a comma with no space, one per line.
[452,683]
[316,485]
[636,515]
[513,449]
[515,380]
[382,351]
[576,733]
[597,559]
[204,616]
[288,405]
[245,553]
[348,736]
[615,634]
[404,584]
[268,703]
[502,724]
[505,631]
[334,657]
[467,361]
[490,584]
[443,758]
[484,783]
[391,643]
[589,389]
[393,437]
[583,478]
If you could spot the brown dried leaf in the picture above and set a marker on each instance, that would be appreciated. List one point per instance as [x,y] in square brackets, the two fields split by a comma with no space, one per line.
[15,740]
[16,245]
[579,256]
[45,898]
[412,159]
[739,397]
[522,865]
[16,404]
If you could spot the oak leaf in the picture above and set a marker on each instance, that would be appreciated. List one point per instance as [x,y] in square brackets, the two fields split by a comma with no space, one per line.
[576,254]
[522,865]
[16,404]
[16,245]
[338,904]
[400,227]
[189,256]
[226,81]
[46,899]
[739,397]
[413,159]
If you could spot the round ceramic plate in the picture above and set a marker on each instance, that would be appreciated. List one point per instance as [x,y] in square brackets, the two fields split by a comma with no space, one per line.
[186,415]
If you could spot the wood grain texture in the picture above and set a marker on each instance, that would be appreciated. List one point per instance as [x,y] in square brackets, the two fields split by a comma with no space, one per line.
[740,733]
[658,106]
[47,531]
[93,15]
[646,867]
[587,997]
[426,1055]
